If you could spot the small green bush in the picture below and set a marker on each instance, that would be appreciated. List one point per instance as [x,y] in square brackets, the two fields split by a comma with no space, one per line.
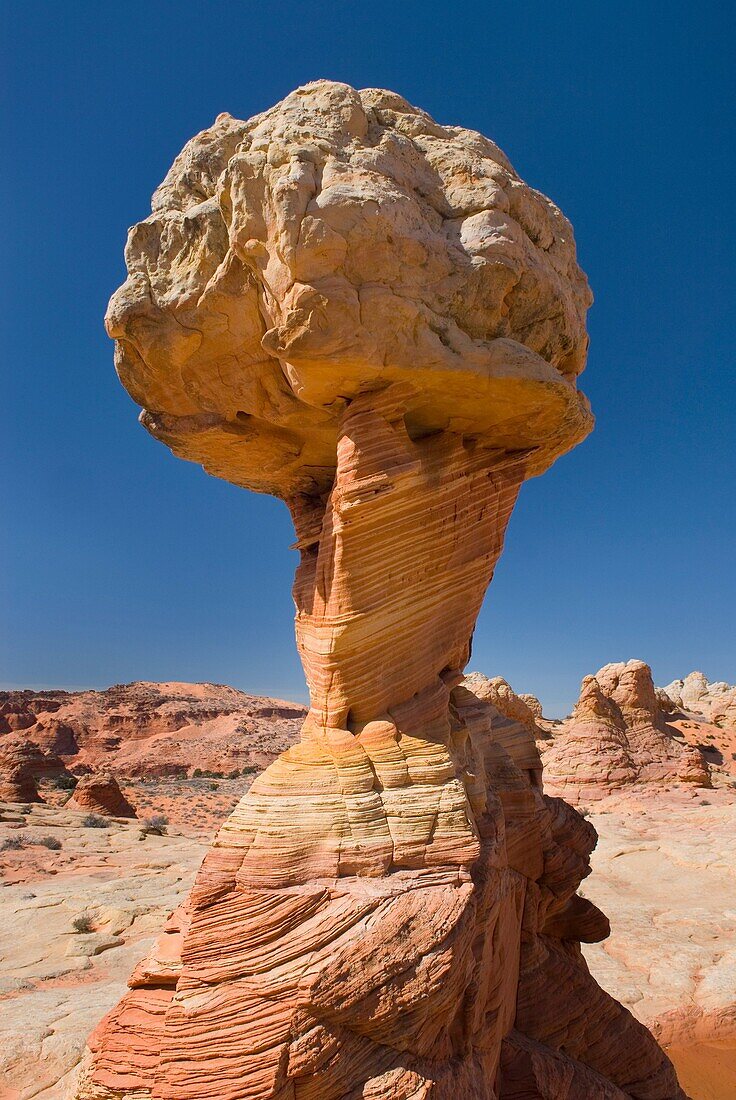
[197,773]
[94,821]
[83,923]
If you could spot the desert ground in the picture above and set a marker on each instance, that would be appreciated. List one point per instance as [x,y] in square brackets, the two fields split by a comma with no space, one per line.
[663,872]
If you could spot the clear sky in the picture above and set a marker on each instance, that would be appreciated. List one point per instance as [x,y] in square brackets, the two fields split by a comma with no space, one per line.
[120,562]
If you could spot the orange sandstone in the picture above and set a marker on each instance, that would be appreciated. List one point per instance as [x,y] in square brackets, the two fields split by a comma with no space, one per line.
[618,735]
[371,316]
[100,793]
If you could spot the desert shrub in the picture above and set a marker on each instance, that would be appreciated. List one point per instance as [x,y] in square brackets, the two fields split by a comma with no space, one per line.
[197,773]
[83,923]
[65,782]
[94,821]
[50,842]
[14,843]
[249,769]
[212,786]
[155,825]
[234,774]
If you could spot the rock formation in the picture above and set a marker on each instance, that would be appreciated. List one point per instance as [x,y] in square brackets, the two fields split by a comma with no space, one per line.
[618,735]
[18,782]
[520,708]
[371,316]
[100,794]
[147,729]
[22,764]
[715,702]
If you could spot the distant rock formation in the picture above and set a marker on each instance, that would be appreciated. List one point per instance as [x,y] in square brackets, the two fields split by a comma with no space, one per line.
[101,794]
[373,317]
[715,702]
[22,764]
[618,735]
[521,708]
[148,729]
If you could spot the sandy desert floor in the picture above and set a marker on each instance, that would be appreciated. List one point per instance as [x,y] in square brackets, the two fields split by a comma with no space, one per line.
[663,871]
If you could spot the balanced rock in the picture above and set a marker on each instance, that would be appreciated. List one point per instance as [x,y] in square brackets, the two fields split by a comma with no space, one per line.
[100,793]
[618,735]
[370,315]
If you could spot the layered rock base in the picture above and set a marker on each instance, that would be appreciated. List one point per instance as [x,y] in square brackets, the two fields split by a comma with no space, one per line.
[454,971]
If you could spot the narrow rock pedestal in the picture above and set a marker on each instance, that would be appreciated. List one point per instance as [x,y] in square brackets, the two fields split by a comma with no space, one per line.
[374,318]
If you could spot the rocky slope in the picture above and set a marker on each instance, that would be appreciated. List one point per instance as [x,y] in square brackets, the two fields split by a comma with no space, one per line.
[704,713]
[145,729]
[664,872]
[79,907]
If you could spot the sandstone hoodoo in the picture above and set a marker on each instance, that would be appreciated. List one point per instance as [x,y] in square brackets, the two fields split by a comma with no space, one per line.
[370,315]
[22,764]
[520,708]
[100,793]
[618,735]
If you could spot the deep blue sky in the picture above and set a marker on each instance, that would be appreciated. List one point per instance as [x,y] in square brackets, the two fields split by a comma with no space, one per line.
[120,562]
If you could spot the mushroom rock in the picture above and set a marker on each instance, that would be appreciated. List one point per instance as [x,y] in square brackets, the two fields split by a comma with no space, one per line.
[100,793]
[371,316]
[618,735]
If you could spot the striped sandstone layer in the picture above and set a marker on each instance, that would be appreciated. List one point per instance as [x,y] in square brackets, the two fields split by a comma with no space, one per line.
[371,316]
[101,794]
[617,736]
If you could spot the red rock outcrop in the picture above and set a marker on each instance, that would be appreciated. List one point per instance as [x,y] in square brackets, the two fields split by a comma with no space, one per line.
[100,794]
[18,782]
[618,735]
[344,304]
[715,703]
[147,729]
[704,715]
[22,764]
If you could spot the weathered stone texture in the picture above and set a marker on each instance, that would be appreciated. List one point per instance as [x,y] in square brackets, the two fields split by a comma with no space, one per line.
[371,316]
[618,735]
